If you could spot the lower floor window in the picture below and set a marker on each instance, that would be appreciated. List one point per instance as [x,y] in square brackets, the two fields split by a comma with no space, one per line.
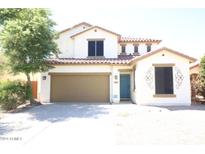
[164,80]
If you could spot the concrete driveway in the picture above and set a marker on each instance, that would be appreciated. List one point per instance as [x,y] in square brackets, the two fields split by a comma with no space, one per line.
[60,125]
[51,124]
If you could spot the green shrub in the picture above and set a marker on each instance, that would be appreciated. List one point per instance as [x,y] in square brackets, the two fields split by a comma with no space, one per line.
[202,77]
[12,94]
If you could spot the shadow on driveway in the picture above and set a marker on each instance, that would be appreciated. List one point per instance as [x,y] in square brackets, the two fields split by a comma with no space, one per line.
[62,111]
[50,113]
[196,107]
[57,112]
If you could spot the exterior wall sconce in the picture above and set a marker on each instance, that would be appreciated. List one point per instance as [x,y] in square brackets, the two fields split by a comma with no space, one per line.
[44,78]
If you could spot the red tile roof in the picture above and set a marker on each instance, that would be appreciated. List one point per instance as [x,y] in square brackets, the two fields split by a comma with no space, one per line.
[130,39]
[98,27]
[122,59]
[82,23]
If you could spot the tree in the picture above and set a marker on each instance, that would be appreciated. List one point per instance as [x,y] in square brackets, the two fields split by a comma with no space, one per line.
[195,87]
[2,63]
[202,68]
[202,77]
[27,39]
[8,14]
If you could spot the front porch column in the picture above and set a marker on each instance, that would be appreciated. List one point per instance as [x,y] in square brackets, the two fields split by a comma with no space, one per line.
[134,86]
[115,86]
[45,84]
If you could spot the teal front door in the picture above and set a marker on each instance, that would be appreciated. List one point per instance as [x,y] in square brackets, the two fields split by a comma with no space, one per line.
[124,86]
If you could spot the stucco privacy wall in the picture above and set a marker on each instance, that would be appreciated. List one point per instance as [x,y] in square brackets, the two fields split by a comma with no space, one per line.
[110,43]
[65,43]
[114,78]
[145,80]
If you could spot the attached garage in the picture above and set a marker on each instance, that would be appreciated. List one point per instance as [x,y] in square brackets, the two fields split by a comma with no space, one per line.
[79,88]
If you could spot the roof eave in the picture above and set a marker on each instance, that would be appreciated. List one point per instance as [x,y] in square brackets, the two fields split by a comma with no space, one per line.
[93,28]
[191,59]
[196,65]
[158,41]
[67,29]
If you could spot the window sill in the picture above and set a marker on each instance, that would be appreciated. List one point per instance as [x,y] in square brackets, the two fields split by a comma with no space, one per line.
[94,57]
[136,54]
[123,53]
[164,95]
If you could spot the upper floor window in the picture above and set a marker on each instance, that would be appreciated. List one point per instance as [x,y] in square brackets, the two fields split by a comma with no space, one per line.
[136,50]
[148,47]
[95,48]
[123,48]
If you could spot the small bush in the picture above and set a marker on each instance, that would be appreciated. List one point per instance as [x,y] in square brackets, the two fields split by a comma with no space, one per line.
[195,84]
[202,89]
[12,94]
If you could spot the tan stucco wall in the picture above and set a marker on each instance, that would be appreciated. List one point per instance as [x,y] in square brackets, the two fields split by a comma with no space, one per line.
[194,70]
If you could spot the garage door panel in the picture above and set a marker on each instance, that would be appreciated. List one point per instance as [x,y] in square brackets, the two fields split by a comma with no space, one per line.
[79,88]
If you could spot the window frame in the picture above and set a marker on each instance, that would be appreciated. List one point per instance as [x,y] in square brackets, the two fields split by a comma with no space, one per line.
[134,76]
[98,48]
[149,47]
[136,46]
[123,46]
[164,94]
[91,45]
[95,49]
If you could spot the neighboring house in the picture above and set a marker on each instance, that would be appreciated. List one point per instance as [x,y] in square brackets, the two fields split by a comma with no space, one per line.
[98,65]
[194,68]
[194,78]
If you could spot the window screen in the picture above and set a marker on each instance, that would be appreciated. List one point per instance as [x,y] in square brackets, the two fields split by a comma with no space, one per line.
[95,48]
[99,48]
[148,48]
[91,48]
[163,80]
[136,48]
[123,48]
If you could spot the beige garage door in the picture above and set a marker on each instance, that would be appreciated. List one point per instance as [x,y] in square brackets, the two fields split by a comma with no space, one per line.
[80,88]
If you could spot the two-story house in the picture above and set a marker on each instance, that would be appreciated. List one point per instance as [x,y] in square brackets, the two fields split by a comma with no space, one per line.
[99,65]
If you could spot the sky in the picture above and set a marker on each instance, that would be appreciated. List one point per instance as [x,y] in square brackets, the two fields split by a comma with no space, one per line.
[179,29]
